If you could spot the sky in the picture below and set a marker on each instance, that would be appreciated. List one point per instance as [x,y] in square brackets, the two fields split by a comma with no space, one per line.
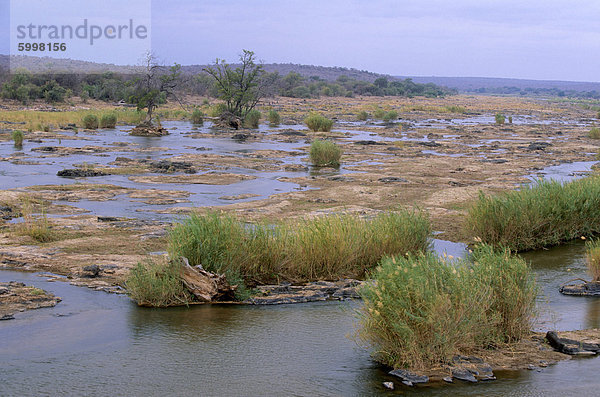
[533,39]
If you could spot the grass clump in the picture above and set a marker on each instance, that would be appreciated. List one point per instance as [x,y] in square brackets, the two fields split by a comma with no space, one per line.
[157,284]
[325,153]
[252,119]
[108,121]
[273,117]
[318,123]
[455,109]
[499,118]
[594,133]
[310,249]
[363,115]
[592,255]
[217,110]
[544,214]
[390,116]
[420,310]
[35,226]
[197,117]
[90,121]
[379,113]
[17,137]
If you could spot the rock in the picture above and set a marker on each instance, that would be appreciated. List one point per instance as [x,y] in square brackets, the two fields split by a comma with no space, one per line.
[570,346]
[148,130]
[388,385]
[463,374]
[408,376]
[107,219]
[391,179]
[79,173]
[91,271]
[430,144]
[340,178]
[586,289]
[48,149]
[407,383]
[494,161]
[538,146]
[368,142]
[229,120]
[203,149]
[291,132]
[7,317]
[167,166]
[241,136]
[448,379]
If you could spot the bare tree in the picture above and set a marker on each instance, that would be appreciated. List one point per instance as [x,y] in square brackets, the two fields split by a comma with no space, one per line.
[155,85]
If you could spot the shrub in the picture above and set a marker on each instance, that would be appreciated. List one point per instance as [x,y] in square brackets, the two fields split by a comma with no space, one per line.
[379,113]
[362,115]
[510,120]
[317,122]
[252,118]
[500,119]
[455,109]
[218,109]
[594,133]
[35,226]
[90,121]
[108,121]
[274,118]
[421,311]
[321,248]
[17,137]
[157,284]
[592,254]
[544,214]
[390,116]
[197,117]
[325,153]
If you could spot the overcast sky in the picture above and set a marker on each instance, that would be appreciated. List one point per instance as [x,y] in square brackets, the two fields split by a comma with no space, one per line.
[536,39]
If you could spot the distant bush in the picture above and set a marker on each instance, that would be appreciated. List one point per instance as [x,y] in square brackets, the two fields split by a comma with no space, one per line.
[390,116]
[108,120]
[325,153]
[197,117]
[17,137]
[274,118]
[252,119]
[317,122]
[379,113]
[362,115]
[510,120]
[500,119]
[594,133]
[90,121]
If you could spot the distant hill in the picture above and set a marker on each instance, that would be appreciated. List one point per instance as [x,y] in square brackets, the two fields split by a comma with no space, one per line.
[490,84]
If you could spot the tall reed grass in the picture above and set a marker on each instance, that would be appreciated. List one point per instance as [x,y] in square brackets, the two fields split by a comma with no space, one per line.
[17,137]
[157,284]
[592,255]
[318,123]
[325,153]
[420,311]
[329,247]
[544,214]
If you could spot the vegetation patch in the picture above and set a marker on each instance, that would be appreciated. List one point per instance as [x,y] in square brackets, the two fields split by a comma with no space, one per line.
[318,123]
[90,121]
[252,119]
[157,284]
[421,310]
[594,133]
[197,117]
[273,117]
[325,153]
[17,137]
[330,247]
[544,214]
[108,121]
[592,255]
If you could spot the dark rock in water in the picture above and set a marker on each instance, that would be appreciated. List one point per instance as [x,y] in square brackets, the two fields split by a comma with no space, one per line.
[430,144]
[538,146]
[166,166]
[570,346]
[48,149]
[69,126]
[586,289]
[494,161]
[7,317]
[203,149]
[108,219]
[463,374]
[391,179]
[393,148]
[91,271]
[79,173]
[241,137]
[292,133]
[340,178]
[408,376]
[286,293]
[366,143]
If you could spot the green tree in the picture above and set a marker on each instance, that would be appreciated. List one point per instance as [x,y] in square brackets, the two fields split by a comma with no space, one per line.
[242,87]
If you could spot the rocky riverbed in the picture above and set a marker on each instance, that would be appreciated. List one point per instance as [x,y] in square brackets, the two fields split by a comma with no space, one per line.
[17,297]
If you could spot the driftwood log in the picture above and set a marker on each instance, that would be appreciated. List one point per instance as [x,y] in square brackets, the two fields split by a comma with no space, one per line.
[206,286]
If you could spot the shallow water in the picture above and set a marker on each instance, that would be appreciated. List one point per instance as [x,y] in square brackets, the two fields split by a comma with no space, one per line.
[94,343]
